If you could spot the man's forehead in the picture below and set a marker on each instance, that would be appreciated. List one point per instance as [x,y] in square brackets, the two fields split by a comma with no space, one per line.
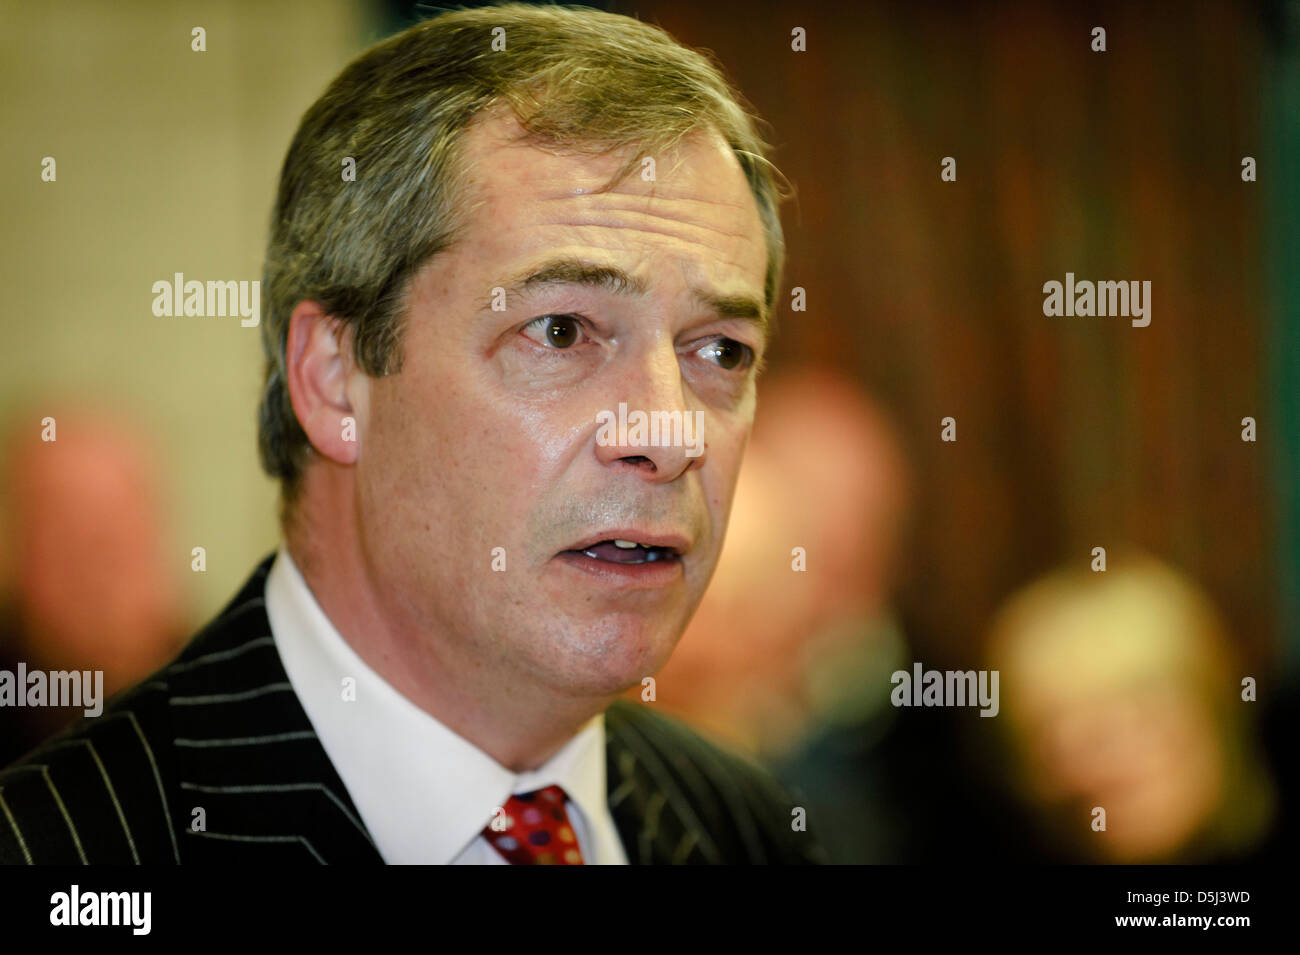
[697,195]
[698,180]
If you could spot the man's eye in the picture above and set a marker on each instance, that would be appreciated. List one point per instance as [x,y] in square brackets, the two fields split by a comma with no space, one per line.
[555,331]
[728,353]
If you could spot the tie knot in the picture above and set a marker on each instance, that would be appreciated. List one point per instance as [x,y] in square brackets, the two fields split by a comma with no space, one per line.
[533,828]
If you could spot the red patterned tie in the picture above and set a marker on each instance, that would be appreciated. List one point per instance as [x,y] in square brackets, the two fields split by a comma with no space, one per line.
[534,829]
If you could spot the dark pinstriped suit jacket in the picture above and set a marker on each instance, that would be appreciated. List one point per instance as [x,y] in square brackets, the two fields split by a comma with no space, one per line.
[221,729]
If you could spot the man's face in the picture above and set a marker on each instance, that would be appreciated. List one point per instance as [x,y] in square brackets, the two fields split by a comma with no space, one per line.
[491,435]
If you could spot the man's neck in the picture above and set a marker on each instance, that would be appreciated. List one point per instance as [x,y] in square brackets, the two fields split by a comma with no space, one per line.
[509,717]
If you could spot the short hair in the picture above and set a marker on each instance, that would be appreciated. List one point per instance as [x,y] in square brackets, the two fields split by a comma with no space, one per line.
[575,78]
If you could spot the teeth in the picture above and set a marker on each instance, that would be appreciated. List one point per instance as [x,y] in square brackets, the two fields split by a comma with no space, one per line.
[625,545]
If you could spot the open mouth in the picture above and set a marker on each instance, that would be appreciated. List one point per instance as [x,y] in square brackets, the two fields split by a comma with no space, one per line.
[627,552]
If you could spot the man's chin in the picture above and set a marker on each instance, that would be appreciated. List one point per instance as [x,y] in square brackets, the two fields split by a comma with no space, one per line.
[616,651]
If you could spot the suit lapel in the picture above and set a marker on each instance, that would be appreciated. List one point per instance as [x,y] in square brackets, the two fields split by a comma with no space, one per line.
[252,770]
[653,816]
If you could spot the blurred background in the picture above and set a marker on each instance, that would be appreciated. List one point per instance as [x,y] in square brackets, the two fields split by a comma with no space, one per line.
[1120,689]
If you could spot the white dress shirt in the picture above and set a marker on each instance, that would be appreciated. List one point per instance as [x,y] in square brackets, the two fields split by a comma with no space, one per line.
[423,792]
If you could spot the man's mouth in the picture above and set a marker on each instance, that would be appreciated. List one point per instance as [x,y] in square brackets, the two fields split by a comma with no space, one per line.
[628,546]
[629,559]
[619,551]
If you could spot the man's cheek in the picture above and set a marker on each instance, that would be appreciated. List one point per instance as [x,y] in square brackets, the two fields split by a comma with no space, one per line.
[527,453]
[722,472]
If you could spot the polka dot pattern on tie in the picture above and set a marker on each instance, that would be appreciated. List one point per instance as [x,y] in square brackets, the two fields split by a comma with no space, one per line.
[534,829]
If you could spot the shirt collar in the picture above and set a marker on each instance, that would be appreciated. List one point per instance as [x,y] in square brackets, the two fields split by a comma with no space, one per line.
[423,792]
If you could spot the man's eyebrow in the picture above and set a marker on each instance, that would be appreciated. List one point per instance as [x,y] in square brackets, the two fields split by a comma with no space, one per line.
[571,271]
[736,306]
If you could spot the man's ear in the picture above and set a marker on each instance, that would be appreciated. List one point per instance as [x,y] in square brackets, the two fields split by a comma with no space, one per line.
[325,387]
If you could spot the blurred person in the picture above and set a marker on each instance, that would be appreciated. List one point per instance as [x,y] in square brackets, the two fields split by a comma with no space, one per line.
[1121,692]
[428,669]
[88,581]
[808,689]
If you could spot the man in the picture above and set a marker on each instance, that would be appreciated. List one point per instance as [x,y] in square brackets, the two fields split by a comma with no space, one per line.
[494,231]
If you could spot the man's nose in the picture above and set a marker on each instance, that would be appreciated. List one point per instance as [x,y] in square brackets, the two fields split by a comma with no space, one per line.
[650,428]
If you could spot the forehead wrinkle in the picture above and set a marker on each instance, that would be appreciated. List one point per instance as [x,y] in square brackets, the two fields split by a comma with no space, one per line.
[615,217]
[612,197]
[707,240]
[594,206]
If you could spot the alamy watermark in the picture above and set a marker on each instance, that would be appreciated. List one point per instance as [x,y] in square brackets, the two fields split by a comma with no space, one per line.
[656,429]
[1085,299]
[75,907]
[211,299]
[924,687]
[84,688]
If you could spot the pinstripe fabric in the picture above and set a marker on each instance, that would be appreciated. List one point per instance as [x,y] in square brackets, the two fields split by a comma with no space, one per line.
[678,799]
[213,760]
